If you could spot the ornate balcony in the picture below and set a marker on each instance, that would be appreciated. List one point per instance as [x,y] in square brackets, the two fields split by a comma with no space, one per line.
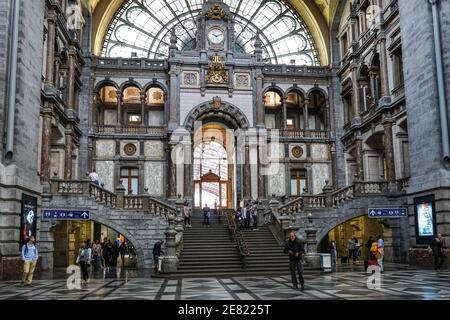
[129,130]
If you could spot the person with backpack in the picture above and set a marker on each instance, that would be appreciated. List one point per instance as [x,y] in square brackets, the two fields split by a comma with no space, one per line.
[84,259]
[29,257]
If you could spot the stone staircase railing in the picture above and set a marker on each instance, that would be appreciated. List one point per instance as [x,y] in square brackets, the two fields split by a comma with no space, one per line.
[84,187]
[114,200]
[332,198]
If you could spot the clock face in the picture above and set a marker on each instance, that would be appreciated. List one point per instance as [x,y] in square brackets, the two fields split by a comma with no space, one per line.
[216,36]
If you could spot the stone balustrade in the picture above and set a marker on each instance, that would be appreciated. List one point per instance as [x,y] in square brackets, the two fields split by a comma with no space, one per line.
[298,134]
[343,195]
[313,202]
[118,129]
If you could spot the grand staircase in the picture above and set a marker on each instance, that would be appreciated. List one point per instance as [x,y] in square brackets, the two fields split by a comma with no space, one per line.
[208,251]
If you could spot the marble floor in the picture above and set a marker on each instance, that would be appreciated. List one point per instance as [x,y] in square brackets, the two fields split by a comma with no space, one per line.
[398,282]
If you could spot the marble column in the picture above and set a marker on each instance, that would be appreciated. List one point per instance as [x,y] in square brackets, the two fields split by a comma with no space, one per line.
[51,35]
[143,123]
[188,178]
[71,80]
[46,145]
[333,179]
[284,112]
[247,192]
[119,108]
[389,151]
[68,155]
[259,101]
[172,171]
[359,159]
[173,95]
[306,106]
[262,177]
[355,87]
[384,69]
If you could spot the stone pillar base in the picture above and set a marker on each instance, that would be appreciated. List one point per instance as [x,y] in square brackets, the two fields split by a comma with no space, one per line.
[312,260]
[11,268]
[169,265]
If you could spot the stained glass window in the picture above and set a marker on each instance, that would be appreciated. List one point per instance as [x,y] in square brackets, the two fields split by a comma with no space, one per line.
[141,28]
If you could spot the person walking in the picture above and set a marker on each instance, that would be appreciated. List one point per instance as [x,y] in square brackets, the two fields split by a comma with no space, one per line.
[122,252]
[357,248]
[351,249]
[380,252]
[157,252]
[295,250]
[187,214]
[107,254]
[254,212]
[96,254]
[94,177]
[84,259]
[29,257]
[368,246]
[437,248]
[206,215]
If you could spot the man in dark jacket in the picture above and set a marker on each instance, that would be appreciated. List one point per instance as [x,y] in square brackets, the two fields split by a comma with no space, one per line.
[437,245]
[295,250]
[157,251]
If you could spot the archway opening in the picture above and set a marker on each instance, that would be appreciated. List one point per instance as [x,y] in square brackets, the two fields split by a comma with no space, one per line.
[68,236]
[213,162]
[360,228]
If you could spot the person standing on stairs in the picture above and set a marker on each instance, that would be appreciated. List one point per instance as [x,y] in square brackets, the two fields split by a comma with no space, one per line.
[206,215]
[295,250]
[187,214]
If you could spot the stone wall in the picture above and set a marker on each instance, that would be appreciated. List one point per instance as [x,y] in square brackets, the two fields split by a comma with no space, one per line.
[20,174]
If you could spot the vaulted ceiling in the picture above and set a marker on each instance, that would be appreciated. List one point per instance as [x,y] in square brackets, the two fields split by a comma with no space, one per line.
[317,15]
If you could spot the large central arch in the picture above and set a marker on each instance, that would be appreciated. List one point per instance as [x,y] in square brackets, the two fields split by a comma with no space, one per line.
[216,109]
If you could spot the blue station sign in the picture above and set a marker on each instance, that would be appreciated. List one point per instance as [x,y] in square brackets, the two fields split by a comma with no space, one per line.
[387,212]
[65,214]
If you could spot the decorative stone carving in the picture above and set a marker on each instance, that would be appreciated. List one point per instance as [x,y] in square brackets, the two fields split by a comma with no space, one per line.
[216,13]
[297,152]
[130,149]
[190,79]
[241,80]
[217,74]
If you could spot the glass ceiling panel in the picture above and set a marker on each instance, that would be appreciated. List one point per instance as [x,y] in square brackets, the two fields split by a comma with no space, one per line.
[141,28]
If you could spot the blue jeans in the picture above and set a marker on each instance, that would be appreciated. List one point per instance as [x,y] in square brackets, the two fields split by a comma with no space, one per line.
[205,219]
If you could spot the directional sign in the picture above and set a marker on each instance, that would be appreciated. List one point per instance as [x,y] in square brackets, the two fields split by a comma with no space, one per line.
[65,214]
[387,212]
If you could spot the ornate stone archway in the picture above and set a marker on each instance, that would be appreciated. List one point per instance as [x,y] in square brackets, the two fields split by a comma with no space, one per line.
[218,109]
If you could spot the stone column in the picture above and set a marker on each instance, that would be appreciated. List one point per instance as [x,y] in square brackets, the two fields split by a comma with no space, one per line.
[68,155]
[143,123]
[312,257]
[259,100]
[284,113]
[51,35]
[170,261]
[173,95]
[262,178]
[384,69]
[187,184]
[359,159]
[353,34]
[389,151]
[119,108]
[333,166]
[355,86]
[71,80]
[46,145]
[247,192]
[172,171]
[306,106]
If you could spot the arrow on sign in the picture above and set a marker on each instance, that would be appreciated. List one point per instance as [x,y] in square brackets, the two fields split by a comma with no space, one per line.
[84,215]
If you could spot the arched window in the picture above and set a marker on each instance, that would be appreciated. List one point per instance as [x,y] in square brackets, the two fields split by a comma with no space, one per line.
[132,106]
[106,107]
[154,103]
[273,110]
[317,111]
[295,112]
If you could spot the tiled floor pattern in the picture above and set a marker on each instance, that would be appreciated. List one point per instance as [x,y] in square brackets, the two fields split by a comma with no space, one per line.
[397,283]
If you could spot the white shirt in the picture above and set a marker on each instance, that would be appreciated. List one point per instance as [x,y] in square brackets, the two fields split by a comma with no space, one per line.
[93,176]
